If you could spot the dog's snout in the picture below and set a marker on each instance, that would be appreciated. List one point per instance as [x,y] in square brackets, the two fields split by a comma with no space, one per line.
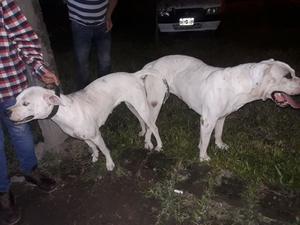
[8,113]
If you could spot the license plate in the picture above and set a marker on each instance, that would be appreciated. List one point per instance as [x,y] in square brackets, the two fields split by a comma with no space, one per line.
[186,21]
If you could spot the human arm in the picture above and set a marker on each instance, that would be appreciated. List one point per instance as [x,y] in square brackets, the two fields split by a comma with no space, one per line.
[24,41]
[111,6]
[50,78]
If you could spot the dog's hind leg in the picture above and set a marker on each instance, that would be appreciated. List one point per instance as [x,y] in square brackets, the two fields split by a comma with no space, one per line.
[157,91]
[218,134]
[206,128]
[154,111]
[141,121]
[148,143]
[152,128]
[99,142]
[141,107]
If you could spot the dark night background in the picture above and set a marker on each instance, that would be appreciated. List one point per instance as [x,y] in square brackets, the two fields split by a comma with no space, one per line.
[130,15]
[137,17]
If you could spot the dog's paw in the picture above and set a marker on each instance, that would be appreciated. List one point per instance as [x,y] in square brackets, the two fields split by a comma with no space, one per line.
[142,133]
[222,146]
[149,146]
[94,158]
[158,148]
[110,166]
[204,158]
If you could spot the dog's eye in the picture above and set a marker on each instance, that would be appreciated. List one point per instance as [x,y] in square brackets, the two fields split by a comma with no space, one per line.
[288,76]
[25,103]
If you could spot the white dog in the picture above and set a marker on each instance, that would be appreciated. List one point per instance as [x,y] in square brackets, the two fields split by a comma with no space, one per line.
[80,114]
[216,92]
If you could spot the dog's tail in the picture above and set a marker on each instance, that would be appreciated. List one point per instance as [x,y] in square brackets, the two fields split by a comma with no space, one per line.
[154,83]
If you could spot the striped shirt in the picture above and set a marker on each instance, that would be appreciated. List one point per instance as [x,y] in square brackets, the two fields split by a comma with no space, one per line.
[19,46]
[88,12]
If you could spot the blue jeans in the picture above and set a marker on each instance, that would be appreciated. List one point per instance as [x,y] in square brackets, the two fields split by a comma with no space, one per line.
[83,39]
[22,141]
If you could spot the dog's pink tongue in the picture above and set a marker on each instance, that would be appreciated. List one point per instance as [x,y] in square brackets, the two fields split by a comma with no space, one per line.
[292,102]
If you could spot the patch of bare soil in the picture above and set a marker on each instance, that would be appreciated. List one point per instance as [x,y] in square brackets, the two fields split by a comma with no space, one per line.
[281,204]
[228,205]
[110,201]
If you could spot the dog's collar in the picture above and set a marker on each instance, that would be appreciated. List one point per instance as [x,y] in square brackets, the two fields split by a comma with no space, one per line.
[55,108]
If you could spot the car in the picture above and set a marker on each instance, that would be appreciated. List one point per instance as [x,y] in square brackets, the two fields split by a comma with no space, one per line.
[188,15]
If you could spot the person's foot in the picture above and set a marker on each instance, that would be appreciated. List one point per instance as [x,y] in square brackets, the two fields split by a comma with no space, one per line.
[9,213]
[41,180]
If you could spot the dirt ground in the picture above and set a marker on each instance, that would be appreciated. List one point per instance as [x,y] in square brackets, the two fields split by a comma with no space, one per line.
[107,202]
[120,200]
[110,199]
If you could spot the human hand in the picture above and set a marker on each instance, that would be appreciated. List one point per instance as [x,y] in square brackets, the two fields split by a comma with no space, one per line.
[109,24]
[50,78]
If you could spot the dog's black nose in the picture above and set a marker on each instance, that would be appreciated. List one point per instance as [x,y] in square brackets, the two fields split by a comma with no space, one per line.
[8,113]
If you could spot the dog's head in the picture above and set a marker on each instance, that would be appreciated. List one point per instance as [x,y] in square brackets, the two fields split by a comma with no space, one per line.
[33,103]
[277,81]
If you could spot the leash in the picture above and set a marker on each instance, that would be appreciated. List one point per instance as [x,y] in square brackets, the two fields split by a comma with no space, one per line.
[56,89]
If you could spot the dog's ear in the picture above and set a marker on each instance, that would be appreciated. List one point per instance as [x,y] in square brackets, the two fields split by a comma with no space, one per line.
[285,67]
[282,65]
[258,71]
[52,99]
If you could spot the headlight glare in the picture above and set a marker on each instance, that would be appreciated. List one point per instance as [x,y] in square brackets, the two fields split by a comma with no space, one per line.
[212,11]
[165,12]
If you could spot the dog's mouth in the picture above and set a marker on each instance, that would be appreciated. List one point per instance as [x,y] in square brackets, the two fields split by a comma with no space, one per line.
[25,120]
[283,100]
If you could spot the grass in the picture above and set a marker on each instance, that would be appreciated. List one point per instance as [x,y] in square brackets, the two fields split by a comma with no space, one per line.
[177,206]
[262,150]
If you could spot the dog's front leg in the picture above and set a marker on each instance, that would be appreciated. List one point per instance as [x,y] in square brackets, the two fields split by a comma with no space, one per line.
[148,143]
[98,140]
[95,151]
[206,128]
[218,134]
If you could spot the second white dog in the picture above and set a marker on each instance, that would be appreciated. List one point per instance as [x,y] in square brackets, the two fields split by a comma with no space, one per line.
[80,114]
[215,92]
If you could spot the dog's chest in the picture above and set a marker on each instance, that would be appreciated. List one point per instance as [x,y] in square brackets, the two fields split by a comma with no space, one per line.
[75,130]
[79,133]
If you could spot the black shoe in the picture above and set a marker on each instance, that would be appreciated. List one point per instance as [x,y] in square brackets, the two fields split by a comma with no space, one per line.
[41,180]
[9,214]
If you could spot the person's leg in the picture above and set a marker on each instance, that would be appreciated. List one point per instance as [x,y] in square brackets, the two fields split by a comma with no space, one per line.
[9,213]
[102,40]
[82,41]
[22,140]
[4,180]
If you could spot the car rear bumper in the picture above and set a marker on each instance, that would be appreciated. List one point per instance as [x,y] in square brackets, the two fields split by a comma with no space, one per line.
[198,26]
